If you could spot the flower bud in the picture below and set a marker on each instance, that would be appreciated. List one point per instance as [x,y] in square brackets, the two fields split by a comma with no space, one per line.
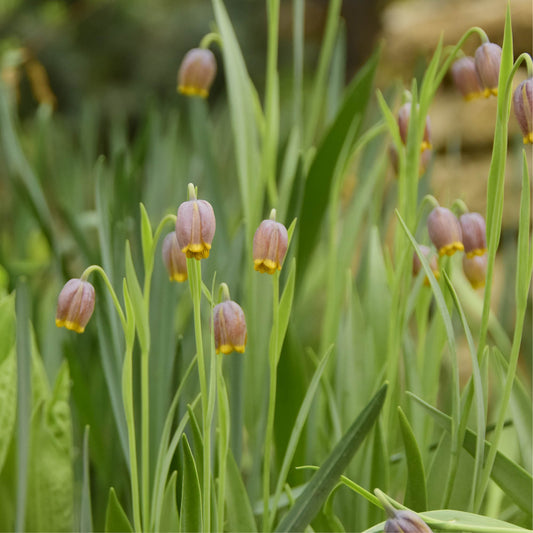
[432,260]
[474,234]
[195,228]
[488,57]
[445,231]
[174,259]
[197,72]
[523,108]
[406,521]
[75,305]
[466,78]
[404,115]
[475,269]
[270,246]
[229,326]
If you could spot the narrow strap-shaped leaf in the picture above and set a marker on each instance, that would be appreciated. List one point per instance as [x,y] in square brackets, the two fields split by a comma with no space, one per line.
[240,517]
[509,476]
[116,520]
[169,514]
[147,238]
[191,495]
[416,491]
[317,490]
[86,519]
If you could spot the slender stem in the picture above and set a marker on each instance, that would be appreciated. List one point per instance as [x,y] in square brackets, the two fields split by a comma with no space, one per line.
[101,271]
[273,360]
[145,437]
[194,268]
[222,445]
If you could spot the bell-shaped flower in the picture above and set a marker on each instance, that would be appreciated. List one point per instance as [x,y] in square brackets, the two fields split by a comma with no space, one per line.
[229,327]
[197,72]
[174,259]
[445,231]
[75,305]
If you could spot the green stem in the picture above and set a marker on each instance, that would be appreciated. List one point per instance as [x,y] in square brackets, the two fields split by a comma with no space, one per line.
[145,437]
[194,268]
[273,360]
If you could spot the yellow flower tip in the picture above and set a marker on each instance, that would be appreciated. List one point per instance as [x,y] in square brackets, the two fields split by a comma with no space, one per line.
[528,139]
[426,145]
[189,90]
[69,324]
[197,251]
[180,278]
[266,266]
[477,251]
[226,349]
[494,91]
[473,96]
[477,284]
[450,249]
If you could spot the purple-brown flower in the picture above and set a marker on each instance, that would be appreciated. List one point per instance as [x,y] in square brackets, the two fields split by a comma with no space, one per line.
[197,72]
[466,78]
[404,116]
[75,305]
[406,521]
[195,228]
[488,58]
[269,246]
[523,108]
[174,259]
[474,234]
[445,231]
[229,327]
[475,269]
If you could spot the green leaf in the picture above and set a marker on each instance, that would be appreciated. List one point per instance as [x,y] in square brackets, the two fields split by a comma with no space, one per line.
[139,309]
[510,477]
[8,402]
[416,491]
[240,516]
[50,462]
[7,327]
[147,238]
[317,490]
[116,520]
[320,177]
[191,495]
[169,511]
[448,520]
[86,519]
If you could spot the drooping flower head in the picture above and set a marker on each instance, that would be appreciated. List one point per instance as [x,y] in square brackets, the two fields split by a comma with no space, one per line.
[466,78]
[75,305]
[445,231]
[197,72]
[488,58]
[195,226]
[270,245]
[406,521]
[174,259]
[523,108]
[475,269]
[229,327]
[404,116]
[474,234]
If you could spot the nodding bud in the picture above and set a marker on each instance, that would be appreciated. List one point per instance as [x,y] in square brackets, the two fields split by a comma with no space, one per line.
[430,255]
[174,259]
[487,58]
[269,246]
[404,116]
[474,234]
[445,231]
[195,228]
[75,305]
[197,72]
[466,78]
[229,327]
[523,108]
[406,521]
[475,269]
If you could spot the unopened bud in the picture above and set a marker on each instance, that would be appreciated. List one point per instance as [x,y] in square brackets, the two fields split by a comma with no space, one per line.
[75,305]
[404,116]
[445,231]
[488,58]
[197,72]
[475,270]
[523,108]
[406,521]
[269,246]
